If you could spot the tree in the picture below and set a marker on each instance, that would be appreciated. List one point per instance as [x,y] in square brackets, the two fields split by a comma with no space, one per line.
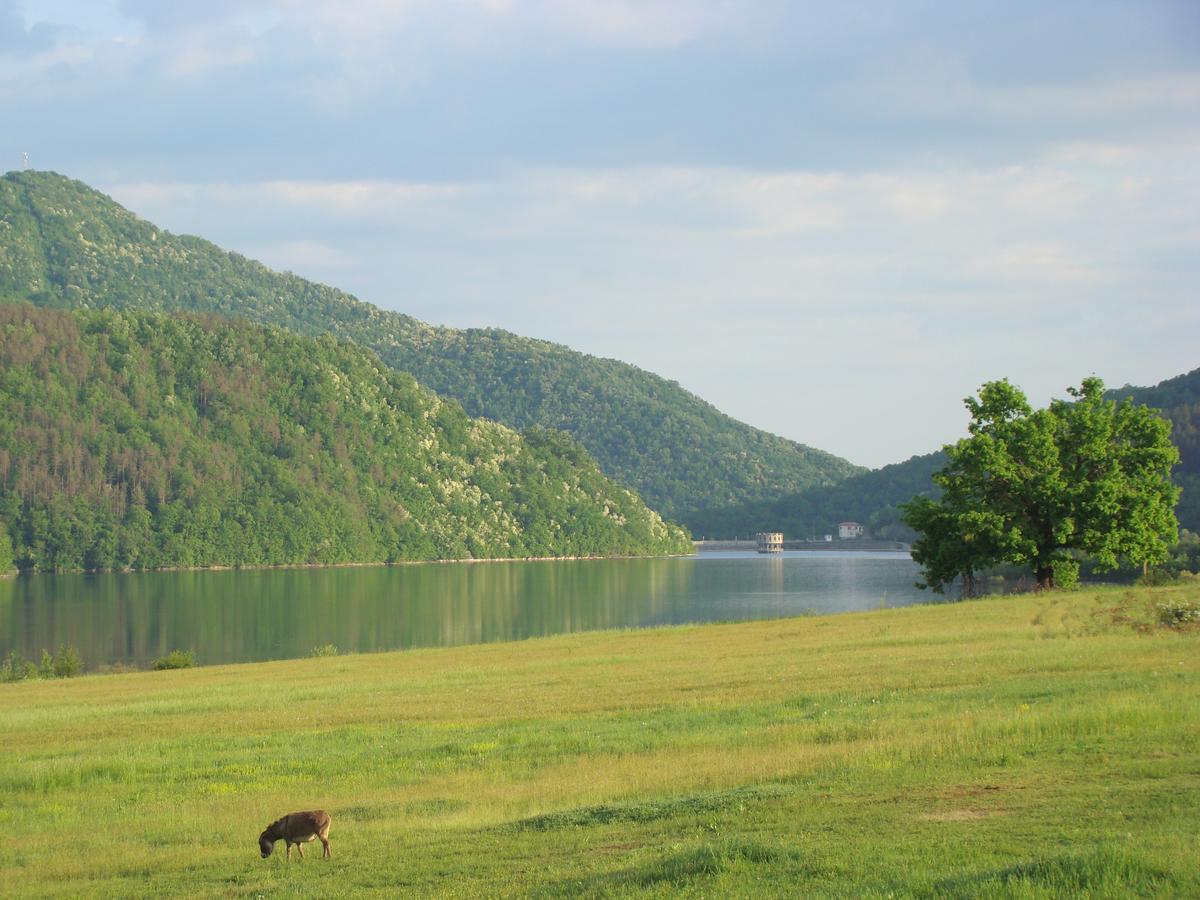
[6,551]
[1038,487]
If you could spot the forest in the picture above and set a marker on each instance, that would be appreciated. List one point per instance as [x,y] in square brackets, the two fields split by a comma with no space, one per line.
[874,497]
[145,440]
[69,246]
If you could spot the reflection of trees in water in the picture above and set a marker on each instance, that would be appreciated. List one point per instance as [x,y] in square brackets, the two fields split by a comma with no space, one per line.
[281,613]
[266,614]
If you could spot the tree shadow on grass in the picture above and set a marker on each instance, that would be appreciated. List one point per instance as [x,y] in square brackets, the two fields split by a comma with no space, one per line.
[666,808]
[1103,872]
[677,871]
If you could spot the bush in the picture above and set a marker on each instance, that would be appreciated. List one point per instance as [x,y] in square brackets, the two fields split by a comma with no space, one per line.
[176,659]
[324,650]
[1159,576]
[66,662]
[1066,573]
[1177,612]
[15,668]
[63,664]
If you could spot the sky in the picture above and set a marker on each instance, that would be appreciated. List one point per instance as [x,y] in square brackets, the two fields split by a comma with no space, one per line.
[833,221]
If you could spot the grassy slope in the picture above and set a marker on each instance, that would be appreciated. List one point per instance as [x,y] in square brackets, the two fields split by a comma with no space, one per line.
[1030,745]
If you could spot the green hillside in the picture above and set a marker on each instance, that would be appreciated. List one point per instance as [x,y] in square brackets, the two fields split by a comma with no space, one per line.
[1179,400]
[68,246]
[146,440]
[873,497]
[870,497]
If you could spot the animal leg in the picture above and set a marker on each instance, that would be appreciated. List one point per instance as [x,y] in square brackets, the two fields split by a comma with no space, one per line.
[300,848]
[289,849]
[325,850]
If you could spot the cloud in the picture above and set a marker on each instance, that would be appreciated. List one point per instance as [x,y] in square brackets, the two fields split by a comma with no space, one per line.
[359,198]
[646,23]
[636,22]
[1013,235]
[304,254]
[710,274]
[699,186]
[198,53]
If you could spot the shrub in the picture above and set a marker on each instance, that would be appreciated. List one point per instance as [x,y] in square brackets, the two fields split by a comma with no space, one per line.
[66,663]
[16,668]
[176,659]
[63,664]
[324,650]
[1159,576]
[1066,573]
[1177,612]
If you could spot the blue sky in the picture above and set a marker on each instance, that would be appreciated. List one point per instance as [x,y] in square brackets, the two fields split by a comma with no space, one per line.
[833,221]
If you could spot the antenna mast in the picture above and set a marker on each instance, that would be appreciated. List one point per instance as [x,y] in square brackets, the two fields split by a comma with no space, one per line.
[25,160]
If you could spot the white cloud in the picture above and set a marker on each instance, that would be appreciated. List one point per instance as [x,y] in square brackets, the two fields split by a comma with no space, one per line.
[636,22]
[200,53]
[359,198]
[303,254]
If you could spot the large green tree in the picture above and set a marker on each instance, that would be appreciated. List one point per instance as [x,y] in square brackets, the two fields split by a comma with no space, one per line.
[1086,475]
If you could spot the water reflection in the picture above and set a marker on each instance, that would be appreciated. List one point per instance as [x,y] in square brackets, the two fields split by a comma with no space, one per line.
[272,614]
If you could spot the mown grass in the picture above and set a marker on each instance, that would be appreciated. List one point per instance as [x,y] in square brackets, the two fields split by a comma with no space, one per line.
[1036,746]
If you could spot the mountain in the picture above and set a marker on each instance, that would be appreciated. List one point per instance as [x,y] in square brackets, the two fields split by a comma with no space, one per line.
[1179,400]
[873,497]
[145,440]
[66,245]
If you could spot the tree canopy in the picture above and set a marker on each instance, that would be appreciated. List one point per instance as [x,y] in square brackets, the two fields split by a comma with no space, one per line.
[1086,475]
[6,553]
[142,440]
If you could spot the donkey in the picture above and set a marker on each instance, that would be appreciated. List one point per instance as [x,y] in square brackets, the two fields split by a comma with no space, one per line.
[297,828]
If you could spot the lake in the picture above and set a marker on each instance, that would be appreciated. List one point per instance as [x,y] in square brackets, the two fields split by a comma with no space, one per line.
[241,616]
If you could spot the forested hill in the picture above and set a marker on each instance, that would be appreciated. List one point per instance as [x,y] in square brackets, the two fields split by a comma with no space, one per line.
[66,245]
[873,497]
[146,440]
[1179,400]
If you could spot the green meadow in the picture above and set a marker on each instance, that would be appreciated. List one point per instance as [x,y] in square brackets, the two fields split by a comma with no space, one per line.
[1035,746]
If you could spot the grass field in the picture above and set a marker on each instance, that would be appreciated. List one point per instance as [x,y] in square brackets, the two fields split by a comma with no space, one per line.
[1034,746]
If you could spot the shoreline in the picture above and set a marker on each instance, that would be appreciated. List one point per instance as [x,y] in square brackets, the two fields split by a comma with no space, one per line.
[263,567]
[120,667]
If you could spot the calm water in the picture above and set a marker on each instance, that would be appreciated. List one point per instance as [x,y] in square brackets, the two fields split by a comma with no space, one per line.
[275,614]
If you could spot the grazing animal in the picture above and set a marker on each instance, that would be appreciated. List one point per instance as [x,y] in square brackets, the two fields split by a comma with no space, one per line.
[297,828]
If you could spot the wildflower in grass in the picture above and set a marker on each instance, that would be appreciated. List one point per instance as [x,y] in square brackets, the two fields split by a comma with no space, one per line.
[1178,611]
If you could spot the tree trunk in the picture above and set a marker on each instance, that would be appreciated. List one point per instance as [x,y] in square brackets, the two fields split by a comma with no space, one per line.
[968,584]
[1045,577]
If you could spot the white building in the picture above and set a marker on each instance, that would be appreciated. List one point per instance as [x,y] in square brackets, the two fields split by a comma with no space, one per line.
[770,541]
[849,531]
